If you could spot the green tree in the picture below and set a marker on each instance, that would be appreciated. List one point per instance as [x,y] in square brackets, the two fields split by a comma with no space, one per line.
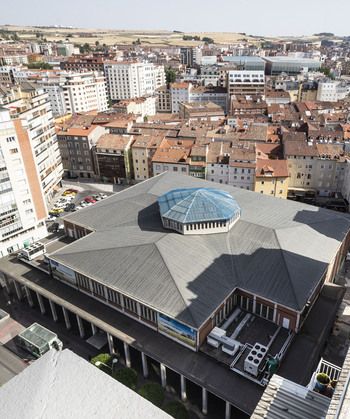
[104,359]
[170,75]
[40,65]
[127,376]
[97,43]
[176,409]
[208,40]
[15,37]
[327,72]
[152,392]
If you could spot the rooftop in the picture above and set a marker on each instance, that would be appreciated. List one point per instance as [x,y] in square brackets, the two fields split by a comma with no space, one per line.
[280,253]
[51,385]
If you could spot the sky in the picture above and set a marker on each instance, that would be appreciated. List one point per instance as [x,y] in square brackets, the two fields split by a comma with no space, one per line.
[256,17]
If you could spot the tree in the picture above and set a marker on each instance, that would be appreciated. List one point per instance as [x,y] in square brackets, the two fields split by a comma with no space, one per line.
[127,376]
[176,409]
[104,359]
[327,72]
[97,43]
[15,37]
[170,75]
[153,392]
[40,65]
[208,40]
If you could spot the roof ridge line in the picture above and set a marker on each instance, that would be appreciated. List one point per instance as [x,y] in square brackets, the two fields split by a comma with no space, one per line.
[286,266]
[195,192]
[171,275]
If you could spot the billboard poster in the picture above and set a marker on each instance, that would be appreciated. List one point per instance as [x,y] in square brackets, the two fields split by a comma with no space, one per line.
[177,330]
[63,273]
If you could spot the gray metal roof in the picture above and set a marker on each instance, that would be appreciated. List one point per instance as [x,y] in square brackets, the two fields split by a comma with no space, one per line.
[195,205]
[285,399]
[278,249]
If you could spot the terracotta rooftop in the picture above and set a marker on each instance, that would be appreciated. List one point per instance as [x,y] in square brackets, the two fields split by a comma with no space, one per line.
[173,151]
[299,148]
[278,168]
[114,141]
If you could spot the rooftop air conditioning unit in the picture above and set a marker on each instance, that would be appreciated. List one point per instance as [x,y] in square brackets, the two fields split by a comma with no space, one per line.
[255,359]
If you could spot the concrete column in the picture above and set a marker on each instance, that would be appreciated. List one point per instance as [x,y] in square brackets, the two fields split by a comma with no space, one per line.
[66,318]
[228,411]
[41,303]
[7,284]
[29,297]
[18,290]
[93,329]
[204,401]
[127,355]
[81,327]
[110,344]
[144,364]
[163,375]
[53,311]
[183,389]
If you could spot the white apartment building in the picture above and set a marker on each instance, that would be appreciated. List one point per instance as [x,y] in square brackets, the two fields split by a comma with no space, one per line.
[180,93]
[70,92]
[13,59]
[30,168]
[332,91]
[131,80]
[217,95]
[32,116]
[85,92]
[22,204]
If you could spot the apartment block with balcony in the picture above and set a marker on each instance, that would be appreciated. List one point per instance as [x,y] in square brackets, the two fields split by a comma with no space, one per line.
[24,180]
[32,115]
[113,157]
[76,145]
[127,80]
[243,82]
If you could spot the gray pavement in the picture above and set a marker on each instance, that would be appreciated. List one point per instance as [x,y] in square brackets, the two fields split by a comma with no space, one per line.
[10,365]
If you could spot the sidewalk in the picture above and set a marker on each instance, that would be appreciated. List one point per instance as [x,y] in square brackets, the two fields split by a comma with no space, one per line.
[339,341]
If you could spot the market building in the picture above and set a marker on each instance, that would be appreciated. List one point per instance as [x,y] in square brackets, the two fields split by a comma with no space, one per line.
[198,303]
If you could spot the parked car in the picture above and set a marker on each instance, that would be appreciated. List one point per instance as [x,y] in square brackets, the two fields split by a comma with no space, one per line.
[56,211]
[83,203]
[90,199]
[72,190]
[70,207]
[97,197]
[103,195]
[51,218]
[53,228]
[67,193]
[77,208]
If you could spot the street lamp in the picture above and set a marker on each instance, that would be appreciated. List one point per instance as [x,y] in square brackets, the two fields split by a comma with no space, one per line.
[114,362]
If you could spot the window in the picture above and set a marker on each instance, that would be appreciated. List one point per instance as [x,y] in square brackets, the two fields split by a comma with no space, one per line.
[263,182]
[183,169]
[10,139]
[174,169]
[13,150]
[271,192]
[280,191]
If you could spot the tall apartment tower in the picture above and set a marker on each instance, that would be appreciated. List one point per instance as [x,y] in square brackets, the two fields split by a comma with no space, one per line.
[131,80]
[30,167]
